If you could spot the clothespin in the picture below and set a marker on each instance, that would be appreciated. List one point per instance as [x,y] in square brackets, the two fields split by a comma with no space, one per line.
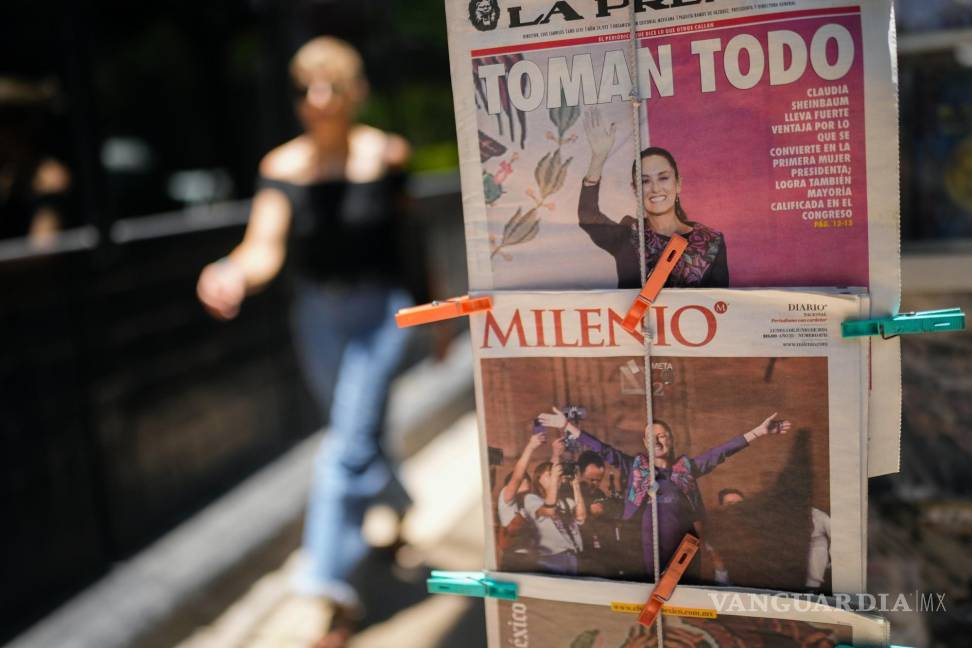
[477,584]
[656,280]
[949,319]
[442,310]
[669,579]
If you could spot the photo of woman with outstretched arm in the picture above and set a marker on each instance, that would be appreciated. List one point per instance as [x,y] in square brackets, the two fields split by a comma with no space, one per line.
[719,427]
[680,508]
[703,264]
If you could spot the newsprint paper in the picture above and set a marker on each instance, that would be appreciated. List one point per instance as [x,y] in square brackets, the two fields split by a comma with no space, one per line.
[758,407]
[578,613]
[768,137]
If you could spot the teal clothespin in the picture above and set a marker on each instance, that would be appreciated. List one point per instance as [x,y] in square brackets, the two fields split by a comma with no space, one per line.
[948,319]
[470,584]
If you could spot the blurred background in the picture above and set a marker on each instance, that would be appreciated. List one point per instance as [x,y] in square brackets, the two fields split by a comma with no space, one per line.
[154,463]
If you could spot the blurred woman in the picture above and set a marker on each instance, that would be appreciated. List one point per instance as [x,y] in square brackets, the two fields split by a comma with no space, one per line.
[331,201]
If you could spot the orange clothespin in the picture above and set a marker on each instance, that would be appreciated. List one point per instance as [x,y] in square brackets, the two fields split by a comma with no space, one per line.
[656,280]
[669,579]
[442,310]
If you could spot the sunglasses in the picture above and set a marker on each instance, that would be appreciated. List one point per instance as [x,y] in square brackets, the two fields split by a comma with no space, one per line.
[300,90]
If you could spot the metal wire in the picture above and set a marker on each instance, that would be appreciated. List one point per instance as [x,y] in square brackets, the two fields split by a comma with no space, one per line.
[636,119]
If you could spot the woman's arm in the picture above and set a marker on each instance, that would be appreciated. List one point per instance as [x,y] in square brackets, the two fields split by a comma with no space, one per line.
[706,462]
[600,135]
[604,232]
[519,470]
[580,512]
[551,494]
[610,454]
[254,262]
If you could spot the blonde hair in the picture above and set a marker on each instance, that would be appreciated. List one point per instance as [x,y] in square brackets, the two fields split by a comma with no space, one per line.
[334,56]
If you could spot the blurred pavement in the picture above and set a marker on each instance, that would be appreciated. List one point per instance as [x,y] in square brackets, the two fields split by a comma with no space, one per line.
[221,578]
[444,530]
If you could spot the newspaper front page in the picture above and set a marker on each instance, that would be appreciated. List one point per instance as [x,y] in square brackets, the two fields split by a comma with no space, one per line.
[769,127]
[584,613]
[758,407]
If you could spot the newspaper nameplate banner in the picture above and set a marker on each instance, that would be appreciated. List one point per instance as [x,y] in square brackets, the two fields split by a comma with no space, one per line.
[773,125]
[758,410]
[584,613]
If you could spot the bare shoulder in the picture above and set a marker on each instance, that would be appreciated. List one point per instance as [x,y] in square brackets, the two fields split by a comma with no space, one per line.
[292,161]
[382,150]
[397,151]
[51,177]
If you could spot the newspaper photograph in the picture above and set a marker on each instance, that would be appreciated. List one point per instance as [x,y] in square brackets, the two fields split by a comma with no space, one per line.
[757,412]
[766,135]
[577,613]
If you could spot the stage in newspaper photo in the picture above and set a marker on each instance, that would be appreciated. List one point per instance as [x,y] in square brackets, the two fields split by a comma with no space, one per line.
[741,447]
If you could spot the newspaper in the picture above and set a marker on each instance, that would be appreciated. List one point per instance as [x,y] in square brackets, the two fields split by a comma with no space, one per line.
[769,136]
[758,407]
[580,613]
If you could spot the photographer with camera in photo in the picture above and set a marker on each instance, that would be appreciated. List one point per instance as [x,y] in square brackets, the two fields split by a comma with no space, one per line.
[602,530]
[516,534]
[680,507]
[558,519]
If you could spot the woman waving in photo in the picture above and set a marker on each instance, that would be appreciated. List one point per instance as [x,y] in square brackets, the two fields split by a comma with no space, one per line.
[703,264]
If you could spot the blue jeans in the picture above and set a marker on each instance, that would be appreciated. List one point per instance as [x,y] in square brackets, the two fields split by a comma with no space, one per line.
[354,329]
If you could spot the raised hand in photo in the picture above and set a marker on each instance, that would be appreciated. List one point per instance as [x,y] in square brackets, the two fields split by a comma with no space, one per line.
[558,421]
[601,136]
[771,425]
[536,440]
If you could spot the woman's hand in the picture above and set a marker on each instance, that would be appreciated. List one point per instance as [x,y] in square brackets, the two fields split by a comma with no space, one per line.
[601,136]
[536,440]
[221,289]
[556,420]
[575,481]
[771,425]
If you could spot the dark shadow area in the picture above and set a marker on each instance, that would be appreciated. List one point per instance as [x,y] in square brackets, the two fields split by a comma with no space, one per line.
[764,539]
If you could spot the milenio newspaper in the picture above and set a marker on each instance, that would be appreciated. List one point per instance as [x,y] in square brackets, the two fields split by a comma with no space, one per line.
[773,125]
[585,614]
[758,407]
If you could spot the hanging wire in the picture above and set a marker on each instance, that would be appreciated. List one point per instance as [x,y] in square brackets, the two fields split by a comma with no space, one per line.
[636,119]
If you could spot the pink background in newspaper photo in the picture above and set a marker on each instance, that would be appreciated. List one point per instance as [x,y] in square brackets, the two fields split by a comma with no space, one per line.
[721,142]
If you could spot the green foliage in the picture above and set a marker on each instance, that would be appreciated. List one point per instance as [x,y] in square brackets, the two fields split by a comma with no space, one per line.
[564,117]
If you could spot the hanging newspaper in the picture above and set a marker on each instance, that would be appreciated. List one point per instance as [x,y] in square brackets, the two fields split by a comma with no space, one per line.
[758,407]
[584,614]
[767,136]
